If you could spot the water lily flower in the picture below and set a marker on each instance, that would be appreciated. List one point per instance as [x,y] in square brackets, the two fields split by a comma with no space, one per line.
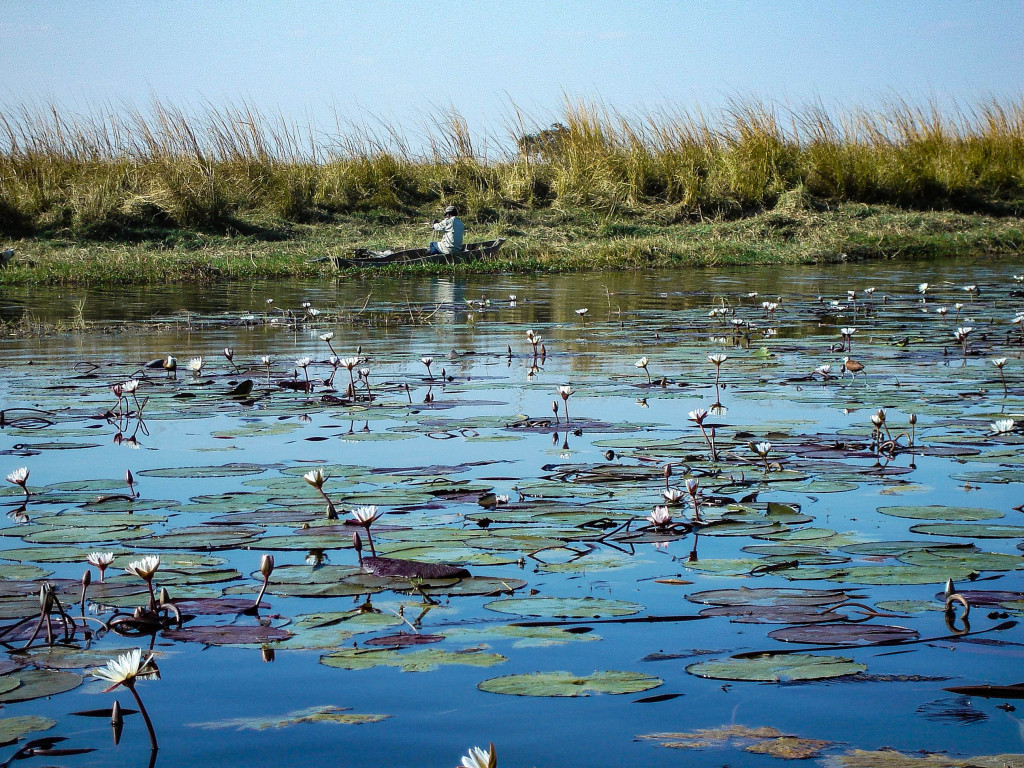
[999,362]
[692,484]
[480,758]
[266,360]
[661,516]
[717,358]
[316,478]
[697,415]
[941,311]
[102,561]
[672,495]
[145,568]
[582,312]
[196,365]
[428,361]
[642,363]
[130,387]
[229,353]
[20,477]
[329,336]
[126,669]
[1003,426]
[869,291]
[304,363]
[365,516]
[761,449]
[922,288]
[266,565]
[825,371]
[565,391]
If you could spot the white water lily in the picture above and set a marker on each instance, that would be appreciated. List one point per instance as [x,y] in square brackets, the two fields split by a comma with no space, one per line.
[869,291]
[642,362]
[999,362]
[582,311]
[266,360]
[717,358]
[847,331]
[126,669]
[825,370]
[349,362]
[761,449]
[962,333]
[145,568]
[660,516]
[922,288]
[329,336]
[1003,426]
[196,365]
[698,415]
[672,495]
[315,477]
[303,362]
[366,515]
[100,559]
[480,758]
[565,391]
[19,476]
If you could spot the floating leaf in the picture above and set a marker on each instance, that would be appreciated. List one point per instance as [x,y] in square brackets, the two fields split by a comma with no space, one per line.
[13,728]
[564,607]
[777,668]
[568,684]
[37,683]
[232,634]
[324,714]
[410,661]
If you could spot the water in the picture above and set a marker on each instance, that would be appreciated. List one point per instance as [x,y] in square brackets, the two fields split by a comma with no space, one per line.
[472,437]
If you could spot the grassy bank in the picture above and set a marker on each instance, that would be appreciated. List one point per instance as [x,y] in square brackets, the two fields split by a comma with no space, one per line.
[233,194]
[548,241]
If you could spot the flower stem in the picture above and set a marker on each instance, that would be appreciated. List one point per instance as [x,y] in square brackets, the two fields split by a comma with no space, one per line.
[130,685]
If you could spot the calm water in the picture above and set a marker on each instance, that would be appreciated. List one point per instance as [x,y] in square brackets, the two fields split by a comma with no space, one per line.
[424,456]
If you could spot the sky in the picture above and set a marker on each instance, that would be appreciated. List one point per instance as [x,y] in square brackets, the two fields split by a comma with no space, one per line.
[403,62]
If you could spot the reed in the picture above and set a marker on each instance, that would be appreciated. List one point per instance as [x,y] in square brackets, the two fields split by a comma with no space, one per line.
[134,174]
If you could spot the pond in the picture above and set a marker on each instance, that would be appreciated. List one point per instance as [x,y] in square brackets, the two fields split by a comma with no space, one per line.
[672,527]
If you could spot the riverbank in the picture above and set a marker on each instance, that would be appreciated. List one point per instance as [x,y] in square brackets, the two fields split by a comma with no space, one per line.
[796,231]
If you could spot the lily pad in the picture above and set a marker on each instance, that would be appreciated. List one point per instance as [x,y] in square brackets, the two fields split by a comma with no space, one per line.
[777,668]
[13,728]
[568,684]
[564,607]
[423,660]
[37,683]
[324,714]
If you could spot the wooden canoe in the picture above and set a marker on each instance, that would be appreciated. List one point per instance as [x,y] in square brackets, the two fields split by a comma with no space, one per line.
[469,252]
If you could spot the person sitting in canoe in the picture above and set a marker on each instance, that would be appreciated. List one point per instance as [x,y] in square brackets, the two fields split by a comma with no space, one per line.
[451,229]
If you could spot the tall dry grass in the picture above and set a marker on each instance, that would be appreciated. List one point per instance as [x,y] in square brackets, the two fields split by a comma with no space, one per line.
[117,171]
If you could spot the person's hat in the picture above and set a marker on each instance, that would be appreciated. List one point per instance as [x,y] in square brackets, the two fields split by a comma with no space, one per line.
[449,209]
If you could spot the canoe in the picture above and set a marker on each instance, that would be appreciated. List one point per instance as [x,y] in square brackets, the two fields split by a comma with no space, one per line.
[469,252]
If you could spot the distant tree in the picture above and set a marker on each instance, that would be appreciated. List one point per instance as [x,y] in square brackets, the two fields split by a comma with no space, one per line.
[544,144]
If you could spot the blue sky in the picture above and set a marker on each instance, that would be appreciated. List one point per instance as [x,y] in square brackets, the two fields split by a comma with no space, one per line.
[401,61]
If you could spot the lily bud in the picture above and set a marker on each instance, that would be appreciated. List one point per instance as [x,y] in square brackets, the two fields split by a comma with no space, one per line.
[267,565]
[86,578]
[913,418]
[165,596]
[267,654]
[116,721]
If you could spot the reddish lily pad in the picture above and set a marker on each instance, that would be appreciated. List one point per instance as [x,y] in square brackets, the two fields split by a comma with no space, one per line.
[231,634]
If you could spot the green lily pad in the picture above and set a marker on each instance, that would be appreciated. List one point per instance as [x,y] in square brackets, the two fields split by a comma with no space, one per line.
[938,512]
[37,683]
[423,660]
[13,728]
[777,668]
[971,531]
[324,714]
[568,684]
[189,473]
[564,607]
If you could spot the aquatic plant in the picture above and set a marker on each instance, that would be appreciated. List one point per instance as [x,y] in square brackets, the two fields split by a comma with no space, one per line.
[102,561]
[126,670]
[20,477]
[642,363]
[480,758]
[317,478]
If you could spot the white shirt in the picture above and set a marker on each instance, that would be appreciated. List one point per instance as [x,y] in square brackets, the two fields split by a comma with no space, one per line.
[451,229]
